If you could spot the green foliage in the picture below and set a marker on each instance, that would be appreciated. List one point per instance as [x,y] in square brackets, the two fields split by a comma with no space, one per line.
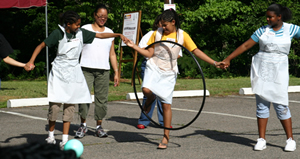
[217,27]
[7,69]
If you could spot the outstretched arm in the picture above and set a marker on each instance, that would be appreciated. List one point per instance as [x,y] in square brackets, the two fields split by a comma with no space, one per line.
[13,62]
[111,35]
[201,55]
[145,52]
[29,65]
[242,48]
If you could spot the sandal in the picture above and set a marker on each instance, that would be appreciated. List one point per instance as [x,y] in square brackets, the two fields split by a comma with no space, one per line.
[162,146]
[147,107]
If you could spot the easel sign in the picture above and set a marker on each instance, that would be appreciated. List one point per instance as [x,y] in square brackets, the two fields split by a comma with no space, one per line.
[131,26]
[132,31]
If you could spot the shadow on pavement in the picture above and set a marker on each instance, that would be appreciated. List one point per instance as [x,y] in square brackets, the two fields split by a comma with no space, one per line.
[229,137]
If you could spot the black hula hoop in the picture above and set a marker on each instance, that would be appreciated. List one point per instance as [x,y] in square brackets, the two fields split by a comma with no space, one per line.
[203,80]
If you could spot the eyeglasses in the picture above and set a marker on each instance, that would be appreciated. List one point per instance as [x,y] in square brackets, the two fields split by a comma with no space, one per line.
[101,16]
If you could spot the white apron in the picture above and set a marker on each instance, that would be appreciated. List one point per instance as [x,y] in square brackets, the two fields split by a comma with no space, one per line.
[66,82]
[161,69]
[269,68]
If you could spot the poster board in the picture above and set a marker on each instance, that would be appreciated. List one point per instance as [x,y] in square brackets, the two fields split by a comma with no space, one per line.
[131,21]
[131,30]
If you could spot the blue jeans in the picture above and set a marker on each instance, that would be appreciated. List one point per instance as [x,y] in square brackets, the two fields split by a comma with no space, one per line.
[143,119]
[263,109]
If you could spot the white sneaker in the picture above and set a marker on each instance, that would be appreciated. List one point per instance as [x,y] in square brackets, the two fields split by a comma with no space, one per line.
[51,140]
[62,144]
[260,145]
[290,145]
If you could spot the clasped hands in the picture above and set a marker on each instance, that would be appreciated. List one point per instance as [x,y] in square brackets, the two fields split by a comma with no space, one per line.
[223,65]
[29,66]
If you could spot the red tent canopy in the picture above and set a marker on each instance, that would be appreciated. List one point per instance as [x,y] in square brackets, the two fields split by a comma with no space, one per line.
[22,3]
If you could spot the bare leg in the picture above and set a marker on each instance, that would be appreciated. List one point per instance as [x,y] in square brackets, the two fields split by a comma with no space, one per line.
[262,126]
[99,122]
[66,127]
[167,123]
[287,125]
[51,125]
[150,99]
[83,120]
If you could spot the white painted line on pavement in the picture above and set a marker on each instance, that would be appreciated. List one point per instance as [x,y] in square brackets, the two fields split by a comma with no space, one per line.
[294,101]
[39,118]
[176,94]
[127,103]
[196,111]
[216,113]
[291,101]
[23,115]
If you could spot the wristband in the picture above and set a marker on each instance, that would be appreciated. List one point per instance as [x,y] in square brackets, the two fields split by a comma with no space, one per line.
[215,63]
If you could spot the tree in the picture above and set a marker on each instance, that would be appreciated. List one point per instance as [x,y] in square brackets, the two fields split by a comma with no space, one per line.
[218,27]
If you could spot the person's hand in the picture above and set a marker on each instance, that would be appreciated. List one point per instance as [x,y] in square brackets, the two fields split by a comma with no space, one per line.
[116,79]
[226,64]
[219,64]
[124,39]
[130,43]
[29,66]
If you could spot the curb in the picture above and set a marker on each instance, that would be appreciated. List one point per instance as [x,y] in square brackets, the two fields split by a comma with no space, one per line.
[27,102]
[248,91]
[176,94]
[13,103]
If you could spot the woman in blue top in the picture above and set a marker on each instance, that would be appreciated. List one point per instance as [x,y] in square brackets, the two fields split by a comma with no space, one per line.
[269,71]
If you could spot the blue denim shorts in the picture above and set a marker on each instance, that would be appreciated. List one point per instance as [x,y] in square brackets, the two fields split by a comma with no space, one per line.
[263,109]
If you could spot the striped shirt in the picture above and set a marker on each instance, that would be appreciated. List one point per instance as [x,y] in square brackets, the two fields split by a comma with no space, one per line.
[294,32]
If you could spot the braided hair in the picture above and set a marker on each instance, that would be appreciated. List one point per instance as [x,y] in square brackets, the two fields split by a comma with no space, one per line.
[69,17]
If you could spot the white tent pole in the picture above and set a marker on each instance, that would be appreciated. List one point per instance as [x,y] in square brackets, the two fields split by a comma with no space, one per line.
[47,57]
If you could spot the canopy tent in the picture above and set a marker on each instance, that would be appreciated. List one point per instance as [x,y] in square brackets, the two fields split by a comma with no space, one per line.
[27,4]
[22,3]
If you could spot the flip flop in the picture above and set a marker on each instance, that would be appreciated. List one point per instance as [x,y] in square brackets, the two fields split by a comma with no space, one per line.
[162,146]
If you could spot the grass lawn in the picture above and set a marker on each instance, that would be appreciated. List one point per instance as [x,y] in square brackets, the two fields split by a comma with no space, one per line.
[216,87]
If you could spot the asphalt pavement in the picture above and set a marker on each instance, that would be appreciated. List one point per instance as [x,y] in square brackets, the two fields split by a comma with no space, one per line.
[226,128]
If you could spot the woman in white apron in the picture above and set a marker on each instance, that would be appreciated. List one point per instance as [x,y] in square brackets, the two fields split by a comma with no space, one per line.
[269,71]
[66,83]
[161,68]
